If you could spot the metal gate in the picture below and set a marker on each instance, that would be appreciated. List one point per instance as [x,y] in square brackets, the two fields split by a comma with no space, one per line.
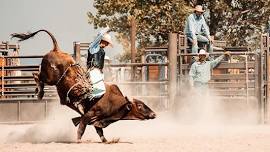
[241,79]
[245,81]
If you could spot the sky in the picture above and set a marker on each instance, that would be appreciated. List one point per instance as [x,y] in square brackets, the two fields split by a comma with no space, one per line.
[66,19]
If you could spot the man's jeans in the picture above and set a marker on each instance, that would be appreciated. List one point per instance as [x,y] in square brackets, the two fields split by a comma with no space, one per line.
[200,85]
[201,39]
[97,80]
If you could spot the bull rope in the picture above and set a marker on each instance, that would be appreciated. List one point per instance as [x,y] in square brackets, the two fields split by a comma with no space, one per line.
[64,73]
[79,75]
[67,98]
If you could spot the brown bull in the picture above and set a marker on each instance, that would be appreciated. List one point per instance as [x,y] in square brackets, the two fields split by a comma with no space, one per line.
[111,107]
[59,69]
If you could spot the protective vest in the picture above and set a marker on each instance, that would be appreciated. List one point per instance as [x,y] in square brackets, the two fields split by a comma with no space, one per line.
[96,60]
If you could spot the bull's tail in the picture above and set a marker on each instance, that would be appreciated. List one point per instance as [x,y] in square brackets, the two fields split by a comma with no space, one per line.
[76,120]
[25,36]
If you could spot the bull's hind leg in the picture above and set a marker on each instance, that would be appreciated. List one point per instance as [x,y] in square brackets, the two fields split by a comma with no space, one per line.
[40,86]
[81,130]
[100,133]
[85,120]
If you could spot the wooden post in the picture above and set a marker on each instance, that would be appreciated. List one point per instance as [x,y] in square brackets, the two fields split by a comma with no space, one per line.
[143,75]
[46,110]
[257,71]
[172,53]
[263,79]
[2,63]
[265,67]
[133,47]
[19,111]
[267,78]
[77,51]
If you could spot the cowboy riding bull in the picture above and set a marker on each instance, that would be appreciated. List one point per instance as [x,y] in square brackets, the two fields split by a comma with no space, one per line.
[74,89]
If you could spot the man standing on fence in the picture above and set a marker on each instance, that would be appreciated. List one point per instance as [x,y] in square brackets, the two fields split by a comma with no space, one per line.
[95,64]
[197,30]
[200,71]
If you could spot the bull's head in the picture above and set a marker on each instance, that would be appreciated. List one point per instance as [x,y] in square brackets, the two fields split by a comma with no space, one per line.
[139,111]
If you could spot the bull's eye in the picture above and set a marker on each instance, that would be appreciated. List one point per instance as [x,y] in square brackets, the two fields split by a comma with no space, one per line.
[140,106]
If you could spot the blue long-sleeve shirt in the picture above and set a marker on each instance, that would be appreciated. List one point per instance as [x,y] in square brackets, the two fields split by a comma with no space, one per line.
[196,25]
[94,46]
[201,72]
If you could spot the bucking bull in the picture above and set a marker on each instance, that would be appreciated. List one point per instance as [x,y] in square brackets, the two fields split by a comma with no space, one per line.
[59,69]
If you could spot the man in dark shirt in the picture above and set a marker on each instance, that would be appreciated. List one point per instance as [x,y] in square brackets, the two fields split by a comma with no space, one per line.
[95,64]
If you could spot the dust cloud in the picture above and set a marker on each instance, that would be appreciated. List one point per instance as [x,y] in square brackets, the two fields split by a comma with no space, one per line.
[194,113]
[57,127]
[204,107]
[192,110]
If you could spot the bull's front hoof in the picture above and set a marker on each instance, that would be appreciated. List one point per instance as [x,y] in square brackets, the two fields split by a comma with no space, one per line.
[113,141]
[78,141]
[103,139]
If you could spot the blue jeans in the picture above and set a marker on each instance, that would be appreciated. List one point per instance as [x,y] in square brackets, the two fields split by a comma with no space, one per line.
[202,88]
[202,39]
[200,85]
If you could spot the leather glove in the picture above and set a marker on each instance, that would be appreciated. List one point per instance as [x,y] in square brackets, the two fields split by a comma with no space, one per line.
[227,53]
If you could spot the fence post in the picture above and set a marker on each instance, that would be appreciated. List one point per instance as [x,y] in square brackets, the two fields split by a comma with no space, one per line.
[133,47]
[172,53]
[77,51]
[46,110]
[258,82]
[2,62]
[267,78]
[265,68]
[19,111]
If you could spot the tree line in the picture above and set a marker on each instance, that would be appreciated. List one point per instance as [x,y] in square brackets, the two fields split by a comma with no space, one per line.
[238,22]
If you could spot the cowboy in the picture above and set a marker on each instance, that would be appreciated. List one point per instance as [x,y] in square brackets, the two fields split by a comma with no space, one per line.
[95,64]
[197,30]
[200,71]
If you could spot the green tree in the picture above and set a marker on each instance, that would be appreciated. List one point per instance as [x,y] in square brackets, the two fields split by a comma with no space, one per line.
[239,22]
[154,19]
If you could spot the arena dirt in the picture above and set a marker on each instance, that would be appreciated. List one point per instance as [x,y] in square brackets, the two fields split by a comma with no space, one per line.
[209,125]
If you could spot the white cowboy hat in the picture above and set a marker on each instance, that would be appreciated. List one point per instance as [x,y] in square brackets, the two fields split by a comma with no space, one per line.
[203,52]
[106,37]
[199,8]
